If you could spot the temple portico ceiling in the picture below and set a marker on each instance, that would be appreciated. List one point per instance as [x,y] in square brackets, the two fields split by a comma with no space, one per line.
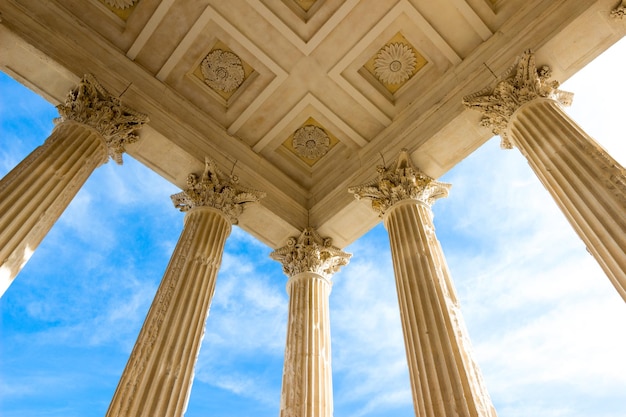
[302,97]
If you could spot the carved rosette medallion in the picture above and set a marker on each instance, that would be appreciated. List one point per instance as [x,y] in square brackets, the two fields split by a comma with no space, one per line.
[90,104]
[222,70]
[620,11]
[398,182]
[516,89]
[311,142]
[120,4]
[214,189]
[395,63]
[309,252]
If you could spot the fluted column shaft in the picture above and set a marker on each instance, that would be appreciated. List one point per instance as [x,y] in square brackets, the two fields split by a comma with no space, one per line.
[309,261]
[37,191]
[158,376]
[92,126]
[588,185]
[445,380]
[307,379]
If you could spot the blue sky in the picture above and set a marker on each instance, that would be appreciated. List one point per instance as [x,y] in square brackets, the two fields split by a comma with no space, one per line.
[546,324]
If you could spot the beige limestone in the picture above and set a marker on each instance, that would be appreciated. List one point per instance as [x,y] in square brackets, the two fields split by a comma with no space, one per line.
[588,185]
[309,261]
[445,380]
[304,67]
[93,124]
[158,376]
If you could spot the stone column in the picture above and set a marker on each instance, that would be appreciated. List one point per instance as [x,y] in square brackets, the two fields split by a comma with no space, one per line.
[588,185]
[445,380]
[158,376]
[309,261]
[92,126]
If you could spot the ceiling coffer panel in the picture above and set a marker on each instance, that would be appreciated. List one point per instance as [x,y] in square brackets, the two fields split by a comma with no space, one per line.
[221,71]
[286,148]
[395,62]
[305,23]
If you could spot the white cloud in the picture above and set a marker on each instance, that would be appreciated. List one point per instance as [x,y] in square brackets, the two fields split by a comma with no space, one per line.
[369,364]
[544,319]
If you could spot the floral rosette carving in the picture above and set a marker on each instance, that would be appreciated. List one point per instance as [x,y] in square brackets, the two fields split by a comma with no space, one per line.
[395,63]
[309,252]
[214,189]
[90,104]
[120,4]
[398,182]
[222,70]
[526,84]
[311,142]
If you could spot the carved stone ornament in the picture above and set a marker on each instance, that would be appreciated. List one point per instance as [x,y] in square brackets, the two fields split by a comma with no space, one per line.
[309,252]
[120,4]
[620,11]
[395,63]
[90,104]
[311,142]
[222,70]
[527,84]
[214,189]
[398,182]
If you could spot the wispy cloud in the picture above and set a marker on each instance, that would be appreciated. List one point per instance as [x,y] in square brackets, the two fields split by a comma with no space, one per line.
[369,363]
[245,334]
[543,316]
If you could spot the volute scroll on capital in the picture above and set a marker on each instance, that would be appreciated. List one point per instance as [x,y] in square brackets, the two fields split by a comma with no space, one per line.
[216,190]
[399,182]
[522,83]
[309,252]
[89,103]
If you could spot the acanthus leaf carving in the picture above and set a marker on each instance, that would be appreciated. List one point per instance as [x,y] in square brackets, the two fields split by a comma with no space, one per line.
[398,182]
[90,104]
[214,189]
[521,84]
[309,252]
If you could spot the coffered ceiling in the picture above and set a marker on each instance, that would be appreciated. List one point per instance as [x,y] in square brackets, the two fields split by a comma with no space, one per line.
[300,98]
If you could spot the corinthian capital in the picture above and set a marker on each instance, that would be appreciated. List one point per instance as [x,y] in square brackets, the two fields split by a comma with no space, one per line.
[400,181]
[214,189]
[522,83]
[309,252]
[90,104]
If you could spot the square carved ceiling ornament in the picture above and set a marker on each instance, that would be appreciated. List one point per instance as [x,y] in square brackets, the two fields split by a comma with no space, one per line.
[223,71]
[395,63]
[311,141]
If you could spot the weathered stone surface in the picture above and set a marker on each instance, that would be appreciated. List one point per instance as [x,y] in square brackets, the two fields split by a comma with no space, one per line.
[309,261]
